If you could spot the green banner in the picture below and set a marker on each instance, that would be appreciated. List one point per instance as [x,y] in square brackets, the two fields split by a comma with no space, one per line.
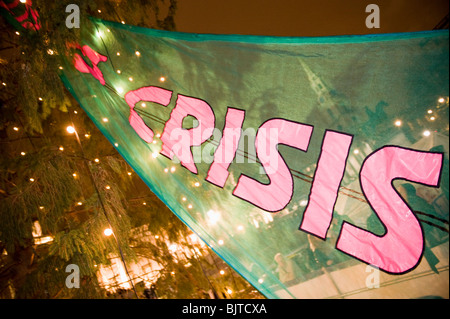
[315,167]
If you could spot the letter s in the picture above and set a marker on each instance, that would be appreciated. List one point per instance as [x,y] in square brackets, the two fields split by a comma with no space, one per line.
[400,248]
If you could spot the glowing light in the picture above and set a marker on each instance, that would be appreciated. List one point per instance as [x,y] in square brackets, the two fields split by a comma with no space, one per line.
[22,153]
[213,216]
[61,148]
[118,53]
[432,118]
[74,174]
[108,187]
[99,11]
[143,104]
[50,51]
[96,160]
[398,123]
[99,34]
[190,206]
[123,22]
[158,135]
[144,203]
[79,203]
[41,207]
[173,248]
[86,135]
[118,71]
[303,203]
[196,184]
[17,32]
[31,179]
[222,272]
[162,79]
[129,173]
[426,133]
[229,291]
[40,99]
[356,151]
[60,67]
[137,53]
[154,155]
[172,169]
[441,100]
[240,228]
[120,90]
[183,199]
[130,79]
[75,112]
[15,128]
[260,280]
[220,242]
[116,144]
[108,232]
[70,129]
[430,111]
[166,170]
[105,119]
[156,236]
[3,83]
[23,1]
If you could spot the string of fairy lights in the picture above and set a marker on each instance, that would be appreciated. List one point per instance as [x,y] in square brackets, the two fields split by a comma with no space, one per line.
[431,115]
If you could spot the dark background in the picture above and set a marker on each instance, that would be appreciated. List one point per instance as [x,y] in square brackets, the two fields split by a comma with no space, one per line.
[306,18]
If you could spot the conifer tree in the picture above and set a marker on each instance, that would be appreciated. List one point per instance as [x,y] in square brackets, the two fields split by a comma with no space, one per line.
[69,188]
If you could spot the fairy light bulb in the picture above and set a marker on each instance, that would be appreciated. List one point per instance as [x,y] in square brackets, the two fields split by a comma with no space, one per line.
[426,133]
[31,179]
[96,160]
[441,100]
[222,272]
[22,153]
[398,123]
[70,129]
[108,187]
[15,128]
[61,148]
[137,53]
[108,232]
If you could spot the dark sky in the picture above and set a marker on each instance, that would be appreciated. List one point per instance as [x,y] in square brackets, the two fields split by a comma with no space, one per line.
[306,18]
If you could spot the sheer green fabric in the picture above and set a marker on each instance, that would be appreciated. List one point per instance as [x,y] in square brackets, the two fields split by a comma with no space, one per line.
[389,89]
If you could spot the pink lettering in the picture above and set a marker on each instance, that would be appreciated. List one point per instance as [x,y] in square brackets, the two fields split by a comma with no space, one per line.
[278,193]
[400,248]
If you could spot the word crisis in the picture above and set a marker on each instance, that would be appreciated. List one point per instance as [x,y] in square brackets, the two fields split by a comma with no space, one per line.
[397,251]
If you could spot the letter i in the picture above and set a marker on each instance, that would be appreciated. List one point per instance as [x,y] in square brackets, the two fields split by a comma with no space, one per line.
[327,179]
[218,172]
